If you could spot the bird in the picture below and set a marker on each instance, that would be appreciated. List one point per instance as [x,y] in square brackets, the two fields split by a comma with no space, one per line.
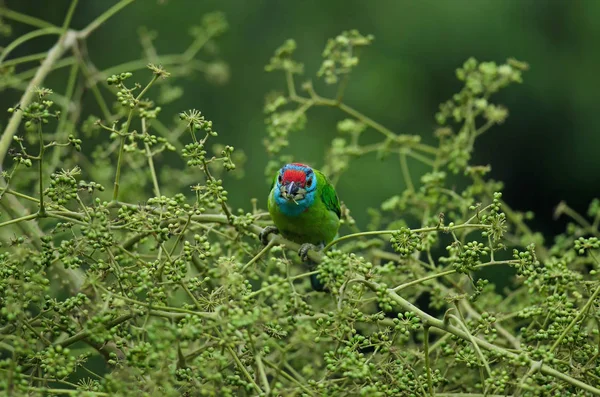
[305,208]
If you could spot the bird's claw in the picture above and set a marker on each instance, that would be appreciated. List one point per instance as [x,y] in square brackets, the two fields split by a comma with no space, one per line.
[303,251]
[264,235]
[304,248]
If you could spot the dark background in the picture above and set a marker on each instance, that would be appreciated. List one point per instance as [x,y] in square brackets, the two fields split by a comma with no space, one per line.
[545,152]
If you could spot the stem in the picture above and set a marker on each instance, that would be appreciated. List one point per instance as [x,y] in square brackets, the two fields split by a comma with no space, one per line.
[24,59]
[579,315]
[406,172]
[23,196]
[124,135]
[259,255]
[83,207]
[427,364]
[420,157]
[7,180]
[195,47]
[533,369]
[514,218]
[271,286]
[173,312]
[192,297]
[437,323]
[61,131]
[223,203]
[342,88]
[29,73]
[140,64]
[243,369]
[439,342]
[65,42]
[85,333]
[74,277]
[151,162]
[289,78]
[52,214]
[17,220]
[70,392]
[26,37]
[42,210]
[501,330]
[118,173]
[475,346]
[448,272]
[95,24]
[421,230]
[290,378]
[470,395]
[367,120]
[69,15]
[94,87]
[570,212]
[261,368]
[26,19]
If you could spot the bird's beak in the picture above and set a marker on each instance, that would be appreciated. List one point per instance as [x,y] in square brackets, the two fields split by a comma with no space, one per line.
[292,191]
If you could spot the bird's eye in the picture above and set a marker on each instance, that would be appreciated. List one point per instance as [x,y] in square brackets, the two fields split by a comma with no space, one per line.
[309,182]
[279,178]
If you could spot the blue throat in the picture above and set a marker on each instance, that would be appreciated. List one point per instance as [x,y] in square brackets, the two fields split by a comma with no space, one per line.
[290,208]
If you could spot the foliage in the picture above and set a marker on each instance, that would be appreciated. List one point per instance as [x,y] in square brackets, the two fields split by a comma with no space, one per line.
[115,282]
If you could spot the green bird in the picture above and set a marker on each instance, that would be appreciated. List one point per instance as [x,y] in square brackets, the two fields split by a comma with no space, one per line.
[304,207]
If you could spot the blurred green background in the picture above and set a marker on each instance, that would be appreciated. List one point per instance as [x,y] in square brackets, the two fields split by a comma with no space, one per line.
[547,151]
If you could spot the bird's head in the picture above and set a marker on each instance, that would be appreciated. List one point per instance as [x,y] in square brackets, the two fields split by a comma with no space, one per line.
[295,184]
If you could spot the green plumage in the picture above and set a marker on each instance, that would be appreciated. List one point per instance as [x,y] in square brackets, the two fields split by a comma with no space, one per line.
[318,223]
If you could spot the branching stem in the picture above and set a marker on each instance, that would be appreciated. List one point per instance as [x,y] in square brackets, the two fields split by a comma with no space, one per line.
[583,310]
[445,229]
[123,135]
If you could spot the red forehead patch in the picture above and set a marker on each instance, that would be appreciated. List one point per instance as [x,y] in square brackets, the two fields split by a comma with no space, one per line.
[291,175]
[300,165]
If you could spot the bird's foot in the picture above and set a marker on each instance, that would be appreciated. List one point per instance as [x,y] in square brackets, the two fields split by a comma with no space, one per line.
[264,235]
[304,248]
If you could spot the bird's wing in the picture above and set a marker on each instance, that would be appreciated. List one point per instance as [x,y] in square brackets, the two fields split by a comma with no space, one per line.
[271,194]
[330,198]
